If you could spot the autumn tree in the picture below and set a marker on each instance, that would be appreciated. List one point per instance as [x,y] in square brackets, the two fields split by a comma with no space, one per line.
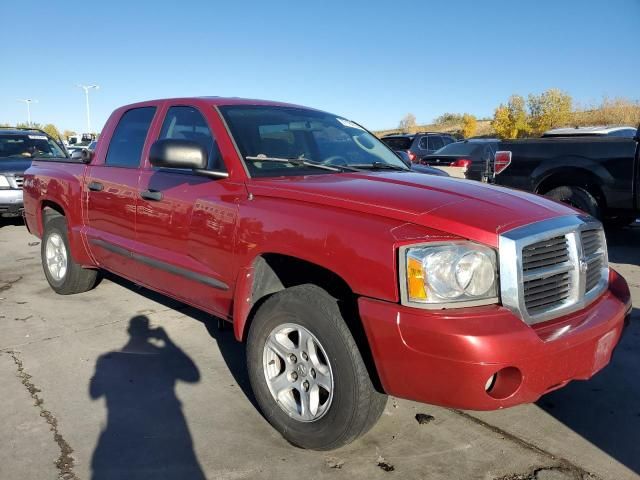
[510,120]
[550,109]
[408,123]
[51,130]
[67,133]
[469,125]
[449,119]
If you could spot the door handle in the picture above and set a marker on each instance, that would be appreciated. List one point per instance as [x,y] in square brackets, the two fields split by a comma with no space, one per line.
[151,195]
[96,186]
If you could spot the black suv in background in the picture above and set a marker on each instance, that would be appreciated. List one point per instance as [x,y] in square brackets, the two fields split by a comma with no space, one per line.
[418,145]
[18,146]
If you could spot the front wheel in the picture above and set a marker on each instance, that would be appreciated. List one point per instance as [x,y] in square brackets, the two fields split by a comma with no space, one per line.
[63,274]
[307,373]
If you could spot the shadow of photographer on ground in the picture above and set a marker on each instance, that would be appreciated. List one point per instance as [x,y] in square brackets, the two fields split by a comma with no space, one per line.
[146,435]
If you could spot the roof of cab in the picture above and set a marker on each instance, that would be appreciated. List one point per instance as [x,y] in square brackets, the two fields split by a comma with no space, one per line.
[217,101]
[20,131]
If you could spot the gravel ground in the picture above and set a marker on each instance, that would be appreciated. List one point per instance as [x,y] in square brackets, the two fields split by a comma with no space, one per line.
[88,393]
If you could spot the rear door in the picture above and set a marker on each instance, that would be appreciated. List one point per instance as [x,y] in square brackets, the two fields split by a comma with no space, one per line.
[111,184]
[435,143]
[186,222]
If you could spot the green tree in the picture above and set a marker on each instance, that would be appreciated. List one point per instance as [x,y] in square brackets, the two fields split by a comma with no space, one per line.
[469,125]
[408,123]
[550,109]
[510,120]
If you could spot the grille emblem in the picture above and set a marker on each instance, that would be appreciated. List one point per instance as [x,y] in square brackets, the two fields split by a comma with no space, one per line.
[583,265]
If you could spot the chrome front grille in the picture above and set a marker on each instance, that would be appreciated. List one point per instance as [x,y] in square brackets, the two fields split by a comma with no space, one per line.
[554,267]
[545,287]
[593,252]
[18,180]
[545,293]
[545,253]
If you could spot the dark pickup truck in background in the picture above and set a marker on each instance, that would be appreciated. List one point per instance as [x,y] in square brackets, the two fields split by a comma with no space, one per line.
[599,175]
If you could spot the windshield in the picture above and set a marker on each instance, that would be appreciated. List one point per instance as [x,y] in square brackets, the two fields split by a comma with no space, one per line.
[29,146]
[298,133]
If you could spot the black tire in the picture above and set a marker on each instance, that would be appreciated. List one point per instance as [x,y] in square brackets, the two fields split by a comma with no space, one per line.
[576,197]
[75,279]
[622,221]
[355,406]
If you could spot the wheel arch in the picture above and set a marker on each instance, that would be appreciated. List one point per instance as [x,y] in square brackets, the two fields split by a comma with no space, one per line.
[269,273]
[573,177]
[49,209]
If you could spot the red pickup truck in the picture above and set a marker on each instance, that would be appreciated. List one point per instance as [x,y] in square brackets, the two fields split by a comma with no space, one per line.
[349,276]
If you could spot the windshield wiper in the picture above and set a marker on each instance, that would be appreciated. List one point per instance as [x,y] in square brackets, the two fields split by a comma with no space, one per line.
[380,166]
[301,162]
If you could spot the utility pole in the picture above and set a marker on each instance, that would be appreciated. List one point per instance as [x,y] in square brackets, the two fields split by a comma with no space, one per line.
[86,89]
[28,101]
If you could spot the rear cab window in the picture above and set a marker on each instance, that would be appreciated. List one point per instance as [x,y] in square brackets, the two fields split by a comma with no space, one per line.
[398,143]
[127,141]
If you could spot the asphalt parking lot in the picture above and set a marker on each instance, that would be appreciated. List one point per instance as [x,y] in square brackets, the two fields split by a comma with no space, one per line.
[122,383]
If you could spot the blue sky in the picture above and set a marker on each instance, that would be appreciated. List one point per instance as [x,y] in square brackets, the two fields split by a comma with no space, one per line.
[370,61]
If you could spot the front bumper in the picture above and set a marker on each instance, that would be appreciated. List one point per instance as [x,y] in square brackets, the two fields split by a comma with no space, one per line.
[447,357]
[11,203]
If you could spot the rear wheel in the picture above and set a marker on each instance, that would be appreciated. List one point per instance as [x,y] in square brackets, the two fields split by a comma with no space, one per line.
[576,197]
[63,274]
[307,373]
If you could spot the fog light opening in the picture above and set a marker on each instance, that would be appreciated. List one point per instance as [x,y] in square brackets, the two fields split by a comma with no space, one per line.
[491,381]
[504,383]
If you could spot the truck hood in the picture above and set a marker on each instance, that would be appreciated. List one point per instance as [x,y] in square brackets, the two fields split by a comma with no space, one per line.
[13,165]
[465,208]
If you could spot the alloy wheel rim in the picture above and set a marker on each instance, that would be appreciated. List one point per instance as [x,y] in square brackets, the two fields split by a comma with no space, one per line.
[298,372]
[56,256]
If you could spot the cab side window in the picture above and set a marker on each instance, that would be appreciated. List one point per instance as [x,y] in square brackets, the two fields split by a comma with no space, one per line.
[125,147]
[187,123]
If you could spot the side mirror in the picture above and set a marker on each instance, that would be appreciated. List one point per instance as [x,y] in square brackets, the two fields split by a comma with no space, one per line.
[76,155]
[86,155]
[174,153]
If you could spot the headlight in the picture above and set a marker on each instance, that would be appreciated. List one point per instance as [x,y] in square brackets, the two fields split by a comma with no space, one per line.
[4,182]
[450,275]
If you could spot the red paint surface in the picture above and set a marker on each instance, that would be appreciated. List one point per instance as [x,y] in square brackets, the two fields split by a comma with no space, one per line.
[349,223]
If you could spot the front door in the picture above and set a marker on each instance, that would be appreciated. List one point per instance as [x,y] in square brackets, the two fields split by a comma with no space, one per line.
[111,184]
[186,222]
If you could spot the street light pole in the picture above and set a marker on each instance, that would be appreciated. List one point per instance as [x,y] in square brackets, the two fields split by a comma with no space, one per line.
[86,89]
[28,101]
